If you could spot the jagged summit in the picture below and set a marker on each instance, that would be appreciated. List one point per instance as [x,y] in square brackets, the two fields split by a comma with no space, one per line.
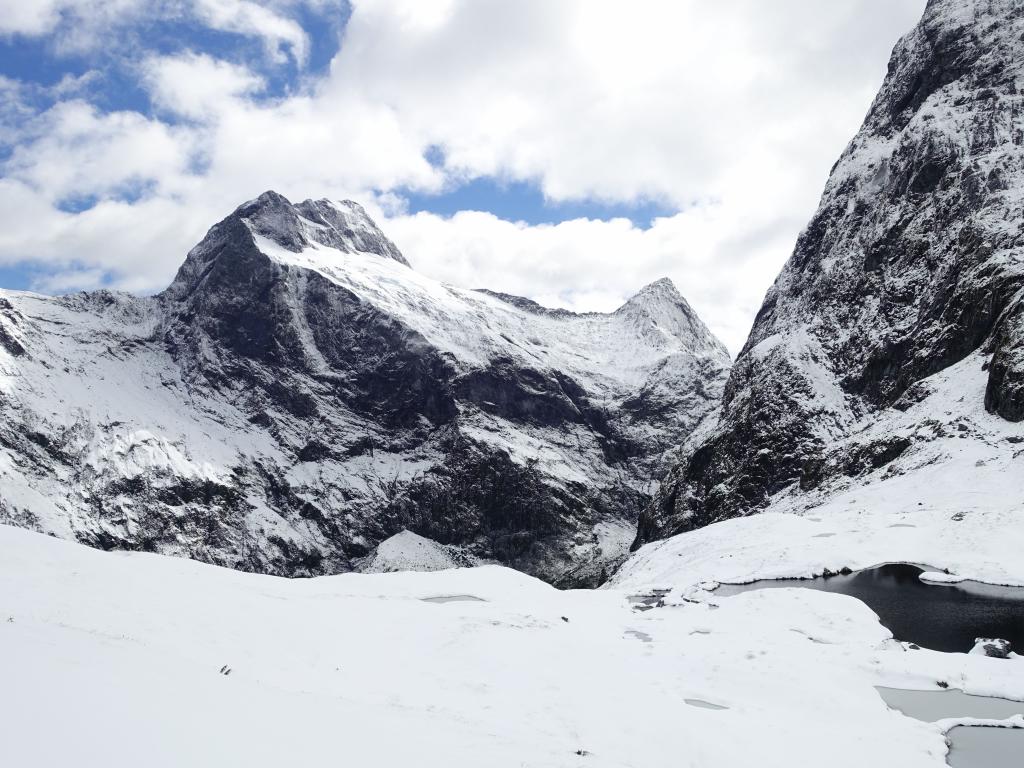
[662,292]
[269,223]
[661,286]
[344,225]
[659,308]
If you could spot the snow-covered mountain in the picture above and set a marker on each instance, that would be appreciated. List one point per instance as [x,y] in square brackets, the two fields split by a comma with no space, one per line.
[300,401]
[899,319]
[299,394]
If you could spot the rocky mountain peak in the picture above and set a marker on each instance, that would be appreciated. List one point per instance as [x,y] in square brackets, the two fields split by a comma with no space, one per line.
[661,308]
[271,221]
[344,225]
[661,289]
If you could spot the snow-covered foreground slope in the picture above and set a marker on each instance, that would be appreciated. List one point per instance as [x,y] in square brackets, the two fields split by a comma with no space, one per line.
[122,659]
[300,394]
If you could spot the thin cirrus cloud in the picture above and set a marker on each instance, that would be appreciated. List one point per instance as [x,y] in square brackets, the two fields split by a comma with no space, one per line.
[725,116]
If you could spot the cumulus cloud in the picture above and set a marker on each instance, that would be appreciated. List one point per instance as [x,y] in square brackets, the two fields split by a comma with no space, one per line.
[197,86]
[18,17]
[73,150]
[668,99]
[77,25]
[730,113]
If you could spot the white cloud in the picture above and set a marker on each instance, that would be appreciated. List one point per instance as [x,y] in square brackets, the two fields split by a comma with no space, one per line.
[733,112]
[73,150]
[196,85]
[663,98]
[134,240]
[90,24]
[77,24]
[280,34]
[29,18]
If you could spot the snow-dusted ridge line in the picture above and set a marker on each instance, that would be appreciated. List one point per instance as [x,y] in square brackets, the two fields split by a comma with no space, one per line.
[620,347]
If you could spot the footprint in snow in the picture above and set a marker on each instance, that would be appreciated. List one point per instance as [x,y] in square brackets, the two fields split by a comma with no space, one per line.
[643,636]
[703,704]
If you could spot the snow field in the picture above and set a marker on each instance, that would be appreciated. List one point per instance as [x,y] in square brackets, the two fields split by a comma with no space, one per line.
[115,659]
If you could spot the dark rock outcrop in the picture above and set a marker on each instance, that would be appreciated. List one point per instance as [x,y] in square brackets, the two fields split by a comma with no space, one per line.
[1005,391]
[994,647]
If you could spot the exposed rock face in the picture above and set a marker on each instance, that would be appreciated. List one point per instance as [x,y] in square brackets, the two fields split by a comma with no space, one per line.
[992,646]
[913,262]
[300,394]
[1005,391]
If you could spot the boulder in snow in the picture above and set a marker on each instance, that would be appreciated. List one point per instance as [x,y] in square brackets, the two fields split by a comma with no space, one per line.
[992,646]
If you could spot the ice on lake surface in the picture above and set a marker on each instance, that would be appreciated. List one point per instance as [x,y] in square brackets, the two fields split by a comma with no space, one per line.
[976,747]
[938,705]
[970,746]
[943,617]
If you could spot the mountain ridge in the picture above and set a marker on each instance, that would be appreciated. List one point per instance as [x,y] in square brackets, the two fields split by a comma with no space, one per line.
[911,264]
[299,394]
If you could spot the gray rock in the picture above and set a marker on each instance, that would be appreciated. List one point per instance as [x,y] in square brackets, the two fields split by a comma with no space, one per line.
[999,649]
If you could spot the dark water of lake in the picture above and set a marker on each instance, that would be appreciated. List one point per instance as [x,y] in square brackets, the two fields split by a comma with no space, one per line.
[943,617]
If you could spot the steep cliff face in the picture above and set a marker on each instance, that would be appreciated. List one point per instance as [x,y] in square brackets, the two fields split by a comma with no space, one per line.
[299,394]
[913,262]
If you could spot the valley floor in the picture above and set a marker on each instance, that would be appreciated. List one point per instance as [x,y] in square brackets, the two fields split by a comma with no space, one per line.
[112,659]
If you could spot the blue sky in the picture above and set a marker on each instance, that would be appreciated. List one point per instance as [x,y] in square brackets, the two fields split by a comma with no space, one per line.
[571,152]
